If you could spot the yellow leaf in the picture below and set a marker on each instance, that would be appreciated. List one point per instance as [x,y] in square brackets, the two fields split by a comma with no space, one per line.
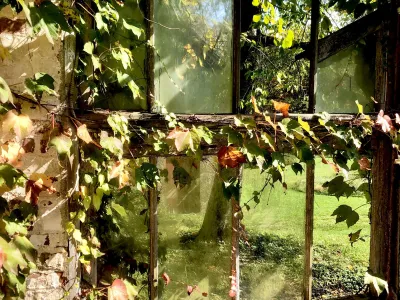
[256,18]
[255,3]
[20,124]
[84,135]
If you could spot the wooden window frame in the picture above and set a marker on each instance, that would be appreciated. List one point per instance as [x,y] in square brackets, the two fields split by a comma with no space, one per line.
[387,80]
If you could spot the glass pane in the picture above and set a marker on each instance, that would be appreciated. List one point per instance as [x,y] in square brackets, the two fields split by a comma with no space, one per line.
[344,78]
[193,63]
[194,230]
[271,263]
[338,267]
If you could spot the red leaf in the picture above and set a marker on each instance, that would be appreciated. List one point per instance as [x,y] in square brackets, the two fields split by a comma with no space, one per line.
[364,164]
[189,290]
[230,157]
[204,294]
[36,184]
[282,107]
[118,291]
[3,257]
[166,278]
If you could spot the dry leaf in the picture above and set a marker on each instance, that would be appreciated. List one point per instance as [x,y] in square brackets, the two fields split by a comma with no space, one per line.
[36,184]
[333,165]
[230,157]
[255,107]
[118,171]
[204,294]
[166,278]
[384,121]
[364,164]
[84,135]
[20,124]
[118,291]
[282,107]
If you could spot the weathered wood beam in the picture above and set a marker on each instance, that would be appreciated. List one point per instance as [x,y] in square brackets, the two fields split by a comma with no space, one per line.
[347,36]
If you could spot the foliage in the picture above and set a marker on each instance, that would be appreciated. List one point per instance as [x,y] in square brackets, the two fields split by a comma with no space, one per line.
[106,66]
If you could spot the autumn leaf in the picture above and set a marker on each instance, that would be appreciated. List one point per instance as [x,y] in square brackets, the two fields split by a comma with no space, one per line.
[384,121]
[118,291]
[118,171]
[333,165]
[166,278]
[255,107]
[21,124]
[282,107]
[36,184]
[230,157]
[364,164]
[183,139]
[3,257]
[84,135]
[204,294]
[189,290]
[11,153]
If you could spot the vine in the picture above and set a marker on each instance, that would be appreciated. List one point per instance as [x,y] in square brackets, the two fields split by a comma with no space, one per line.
[105,64]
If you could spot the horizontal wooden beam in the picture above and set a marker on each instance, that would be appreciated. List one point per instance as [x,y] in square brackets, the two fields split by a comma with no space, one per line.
[347,36]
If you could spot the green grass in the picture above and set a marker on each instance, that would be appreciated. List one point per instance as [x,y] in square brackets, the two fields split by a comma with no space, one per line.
[281,214]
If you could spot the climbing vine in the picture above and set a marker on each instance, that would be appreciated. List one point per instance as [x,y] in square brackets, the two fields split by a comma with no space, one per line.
[110,171]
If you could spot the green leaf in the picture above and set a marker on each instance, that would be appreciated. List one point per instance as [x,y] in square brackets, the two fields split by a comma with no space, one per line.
[342,213]
[297,168]
[135,30]
[181,176]
[119,209]
[49,18]
[256,18]
[352,218]
[100,23]
[25,247]
[288,40]
[63,145]
[338,187]
[14,257]
[88,47]
[112,144]
[40,83]
[234,137]
[97,198]
[5,92]
[9,175]
[360,107]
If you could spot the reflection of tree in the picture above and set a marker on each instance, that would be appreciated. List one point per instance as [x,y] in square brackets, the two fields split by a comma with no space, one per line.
[194,46]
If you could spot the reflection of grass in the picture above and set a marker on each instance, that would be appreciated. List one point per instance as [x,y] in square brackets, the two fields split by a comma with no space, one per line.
[282,215]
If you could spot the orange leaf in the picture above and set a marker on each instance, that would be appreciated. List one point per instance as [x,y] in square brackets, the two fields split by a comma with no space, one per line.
[282,107]
[230,157]
[36,184]
[118,291]
[166,278]
[364,164]
[254,102]
[333,165]
[84,135]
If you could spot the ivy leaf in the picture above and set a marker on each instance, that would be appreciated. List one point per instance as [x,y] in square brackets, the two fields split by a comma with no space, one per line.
[36,184]
[118,290]
[184,139]
[126,80]
[119,209]
[166,278]
[11,153]
[181,176]
[288,40]
[47,17]
[84,135]
[282,107]
[234,137]
[297,168]
[135,30]
[112,144]
[338,187]
[88,47]
[230,157]
[20,124]
[63,145]
[9,177]
[100,23]
[256,18]
[5,92]
[346,213]
[40,83]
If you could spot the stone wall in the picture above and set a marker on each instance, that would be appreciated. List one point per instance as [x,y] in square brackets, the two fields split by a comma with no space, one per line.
[56,276]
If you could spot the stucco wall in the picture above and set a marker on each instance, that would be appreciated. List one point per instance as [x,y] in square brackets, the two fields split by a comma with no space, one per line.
[27,56]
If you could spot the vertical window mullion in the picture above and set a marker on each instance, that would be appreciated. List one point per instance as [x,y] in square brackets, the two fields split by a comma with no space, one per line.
[236,56]
[235,207]
[150,55]
[309,226]
[153,274]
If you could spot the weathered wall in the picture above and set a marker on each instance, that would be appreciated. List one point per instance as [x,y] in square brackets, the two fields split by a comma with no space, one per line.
[29,55]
